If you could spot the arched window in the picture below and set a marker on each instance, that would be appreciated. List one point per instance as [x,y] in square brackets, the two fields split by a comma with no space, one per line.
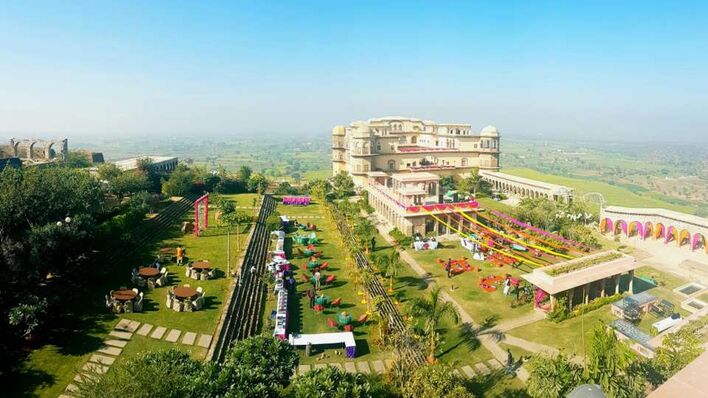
[392,164]
[464,162]
[414,140]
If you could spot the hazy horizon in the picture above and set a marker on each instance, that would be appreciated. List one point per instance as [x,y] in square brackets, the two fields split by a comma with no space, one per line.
[628,72]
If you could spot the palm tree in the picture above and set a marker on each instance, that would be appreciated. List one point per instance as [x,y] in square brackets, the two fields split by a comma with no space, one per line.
[389,264]
[430,311]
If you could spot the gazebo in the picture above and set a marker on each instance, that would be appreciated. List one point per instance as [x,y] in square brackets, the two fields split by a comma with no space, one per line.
[583,279]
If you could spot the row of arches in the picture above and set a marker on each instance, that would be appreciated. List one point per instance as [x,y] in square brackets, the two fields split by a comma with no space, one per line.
[656,231]
[517,190]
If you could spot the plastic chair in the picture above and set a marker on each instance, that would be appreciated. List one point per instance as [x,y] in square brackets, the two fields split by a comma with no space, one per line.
[331,323]
[336,301]
[362,319]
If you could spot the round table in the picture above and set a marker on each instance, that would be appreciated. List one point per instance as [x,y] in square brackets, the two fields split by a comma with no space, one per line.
[124,294]
[202,265]
[148,272]
[185,293]
[322,300]
[344,320]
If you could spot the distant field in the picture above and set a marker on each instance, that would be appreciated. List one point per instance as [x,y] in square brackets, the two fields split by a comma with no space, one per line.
[614,195]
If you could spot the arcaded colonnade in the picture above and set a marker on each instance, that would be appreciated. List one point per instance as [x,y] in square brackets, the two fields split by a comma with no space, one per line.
[36,150]
[526,188]
[659,224]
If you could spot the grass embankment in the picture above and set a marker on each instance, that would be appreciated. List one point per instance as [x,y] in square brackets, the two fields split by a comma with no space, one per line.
[614,194]
[50,368]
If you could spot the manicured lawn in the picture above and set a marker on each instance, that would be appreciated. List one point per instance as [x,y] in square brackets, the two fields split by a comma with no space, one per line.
[50,367]
[465,286]
[567,335]
[305,320]
[491,204]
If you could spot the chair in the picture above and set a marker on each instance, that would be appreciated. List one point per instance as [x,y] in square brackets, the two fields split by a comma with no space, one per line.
[348,328]
[210,274]
[138,306]
[141,282]
[331,323]
[188,272]
[117,307]
[136,291]
[163,270]
[170,300]
[151,283]
[128,306]
[336,301]
[161,280]
[177,305]
[199,303]
[330,279]
[188,306]
[200,290]
[109,301]
[362,319]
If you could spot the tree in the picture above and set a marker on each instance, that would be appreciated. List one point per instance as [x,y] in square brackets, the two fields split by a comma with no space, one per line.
[331,382]
[678,350]
[284,188]
[364,231]
[613,366]
[261,364]
[108,171]
[435,380]
[429,312]
[127,183]
[318,188]
[169,374]
[76,160]
[244,173]
[447,183]
[257,183]
[180,182]
[552,377]
[343,185]
[236,218]
[389,265]
[27,316]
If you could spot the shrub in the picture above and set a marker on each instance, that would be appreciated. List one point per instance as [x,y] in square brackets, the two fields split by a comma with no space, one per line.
[595,304]
[403,240]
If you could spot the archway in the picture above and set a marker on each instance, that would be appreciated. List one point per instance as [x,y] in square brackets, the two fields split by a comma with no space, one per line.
[635,228]
[606,225]
[684,237]
[659,231]
[648,229]
[671,234]
[620,226]
[698,241]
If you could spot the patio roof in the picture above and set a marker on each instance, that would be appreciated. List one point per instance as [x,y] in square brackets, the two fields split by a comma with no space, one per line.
[564,282]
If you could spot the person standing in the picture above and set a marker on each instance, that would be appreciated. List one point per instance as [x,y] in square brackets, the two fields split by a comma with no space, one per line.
[507,285]
[180,255]
[318,276]
[448,267]
[311,296]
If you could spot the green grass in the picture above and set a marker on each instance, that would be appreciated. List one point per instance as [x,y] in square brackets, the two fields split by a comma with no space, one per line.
[568,335]
[614,194]
[50,367]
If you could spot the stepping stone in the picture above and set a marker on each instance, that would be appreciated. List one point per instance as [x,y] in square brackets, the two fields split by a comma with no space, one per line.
[456,373]
[158,332]
[92,367]
[302,369]
[379,366]
[132,326]
[336,365]
[467,370]
[204,341]
[363,367]
[122,324]
[320,366]
[189,338]
[350,367]
[72,388]
[121,335]
[65,396]
[102,359]
[83,378]
[145,329]
[115,351]
[173,335]
[482,368]
[116,343]
[494,364]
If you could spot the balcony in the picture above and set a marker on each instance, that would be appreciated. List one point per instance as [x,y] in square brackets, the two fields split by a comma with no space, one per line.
[416,148]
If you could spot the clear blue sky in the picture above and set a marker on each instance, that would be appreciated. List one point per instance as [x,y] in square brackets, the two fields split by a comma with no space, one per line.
[628,70]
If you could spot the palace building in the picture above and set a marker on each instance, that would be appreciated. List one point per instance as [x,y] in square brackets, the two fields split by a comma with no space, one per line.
[396,145]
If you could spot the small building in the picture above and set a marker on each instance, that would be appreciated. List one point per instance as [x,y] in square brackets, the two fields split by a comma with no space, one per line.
[642,301]
[637,339]
[583,279]
[159,163]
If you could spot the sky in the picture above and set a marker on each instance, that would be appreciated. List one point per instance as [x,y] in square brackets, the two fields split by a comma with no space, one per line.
[628,70]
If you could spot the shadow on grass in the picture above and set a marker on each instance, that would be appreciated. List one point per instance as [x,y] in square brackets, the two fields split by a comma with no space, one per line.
[412,281]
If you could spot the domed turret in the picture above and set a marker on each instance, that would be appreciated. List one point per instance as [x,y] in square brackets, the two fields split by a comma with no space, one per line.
[489,131]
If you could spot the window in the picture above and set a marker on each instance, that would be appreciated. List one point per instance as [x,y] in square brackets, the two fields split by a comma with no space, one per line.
[392,165]
[464,162]
[414,140]
[401,140]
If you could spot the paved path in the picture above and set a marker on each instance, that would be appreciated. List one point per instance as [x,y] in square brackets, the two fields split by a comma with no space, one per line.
[487,340]
[529,345]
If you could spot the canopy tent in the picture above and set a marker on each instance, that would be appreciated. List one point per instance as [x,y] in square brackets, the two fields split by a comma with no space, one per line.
[346,338]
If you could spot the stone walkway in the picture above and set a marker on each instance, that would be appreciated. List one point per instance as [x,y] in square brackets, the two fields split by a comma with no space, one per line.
[380,367]
[533,316]
[101,361]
